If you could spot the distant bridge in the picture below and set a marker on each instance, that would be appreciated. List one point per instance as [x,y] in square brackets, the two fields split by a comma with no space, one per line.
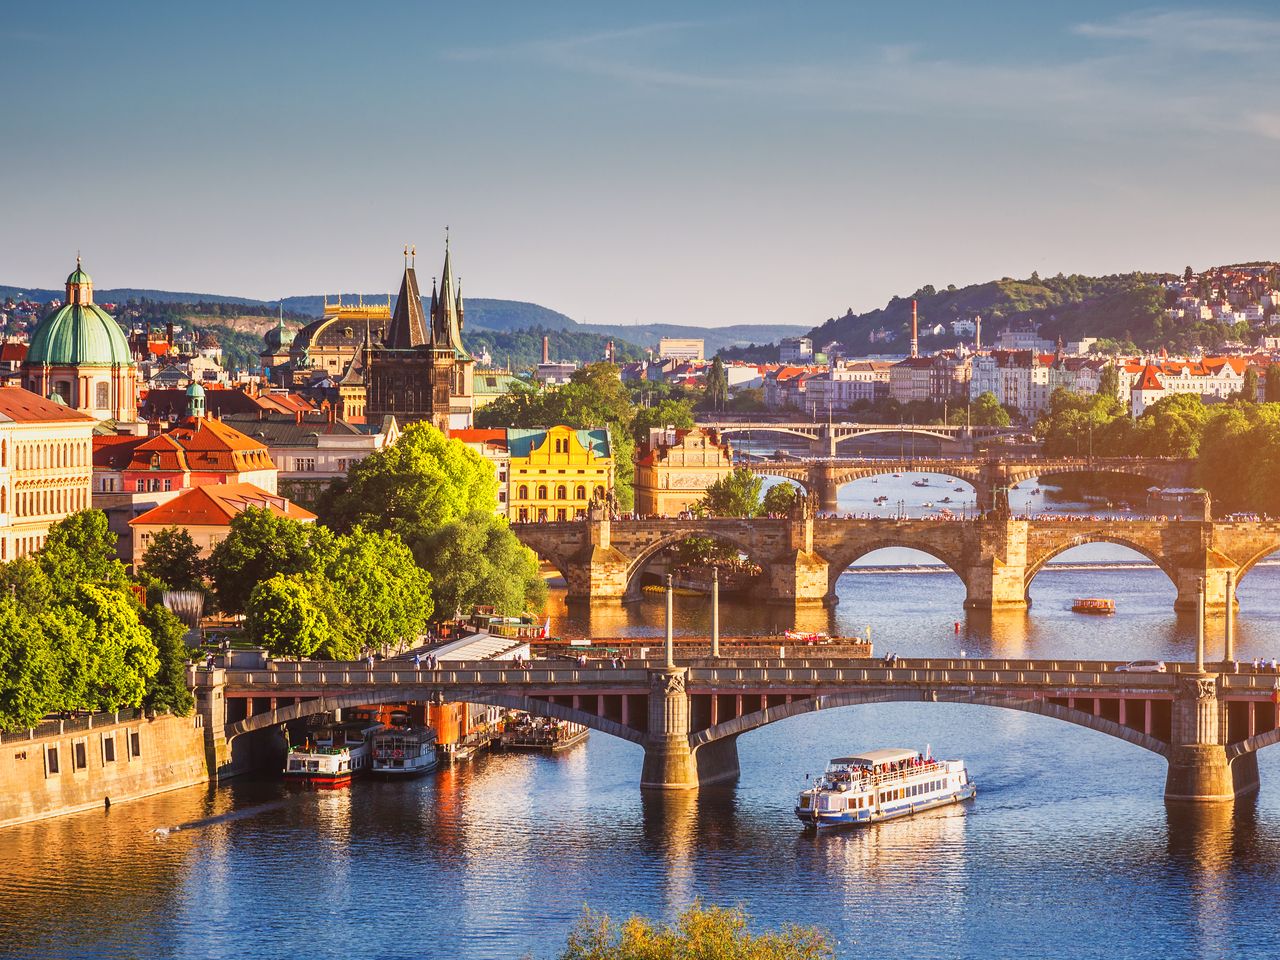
[990,478]
[1208,726]
[823,437]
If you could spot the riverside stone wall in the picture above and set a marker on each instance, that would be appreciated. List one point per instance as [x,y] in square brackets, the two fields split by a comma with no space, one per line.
[52,771]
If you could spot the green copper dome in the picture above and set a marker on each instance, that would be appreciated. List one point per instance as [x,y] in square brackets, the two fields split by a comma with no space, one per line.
[79,334]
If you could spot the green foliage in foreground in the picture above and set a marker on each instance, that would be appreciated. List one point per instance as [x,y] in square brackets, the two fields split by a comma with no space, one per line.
[73,635]
[699,933]
[734,495]
[478,560]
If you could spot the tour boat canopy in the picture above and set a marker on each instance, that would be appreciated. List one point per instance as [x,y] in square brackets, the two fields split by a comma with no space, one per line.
[874,758]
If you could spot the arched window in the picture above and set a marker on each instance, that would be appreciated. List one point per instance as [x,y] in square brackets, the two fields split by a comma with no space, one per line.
[581,493]
[524,491]
[561,493]
[542,491]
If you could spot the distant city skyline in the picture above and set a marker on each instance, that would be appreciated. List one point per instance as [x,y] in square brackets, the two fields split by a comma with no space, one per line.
[697,165]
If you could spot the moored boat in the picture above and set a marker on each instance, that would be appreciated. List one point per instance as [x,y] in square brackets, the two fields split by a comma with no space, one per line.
[404,751]
[333,754]
[882,785]
[543,734]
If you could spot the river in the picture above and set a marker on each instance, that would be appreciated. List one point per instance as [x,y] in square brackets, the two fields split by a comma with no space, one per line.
[1068,850]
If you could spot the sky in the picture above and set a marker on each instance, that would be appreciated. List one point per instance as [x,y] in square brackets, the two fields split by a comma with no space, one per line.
[696,163]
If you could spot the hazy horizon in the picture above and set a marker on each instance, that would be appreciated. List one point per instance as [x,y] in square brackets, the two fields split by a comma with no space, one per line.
[699,166]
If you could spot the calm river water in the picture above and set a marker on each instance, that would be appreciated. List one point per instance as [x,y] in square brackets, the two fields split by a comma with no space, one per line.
[1069,849]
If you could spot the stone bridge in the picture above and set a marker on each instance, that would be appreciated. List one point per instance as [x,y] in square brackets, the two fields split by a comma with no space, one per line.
[991,479]
[823,437]
[687,718]
[802,556]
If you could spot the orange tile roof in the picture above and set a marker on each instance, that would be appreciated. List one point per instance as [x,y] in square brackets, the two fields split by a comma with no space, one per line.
[217,505]
[494,436]
[1149,380]
[23,406]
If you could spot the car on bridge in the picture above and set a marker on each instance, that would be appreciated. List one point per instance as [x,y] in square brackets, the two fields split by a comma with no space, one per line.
[1142,666]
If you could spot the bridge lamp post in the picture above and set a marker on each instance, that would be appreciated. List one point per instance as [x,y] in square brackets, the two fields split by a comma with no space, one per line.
[1200,627]
[715,613]
[1229,644]
[670,640]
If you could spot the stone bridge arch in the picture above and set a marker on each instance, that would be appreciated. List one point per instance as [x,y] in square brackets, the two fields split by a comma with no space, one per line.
[840,560]
[1257,557]
[636,565]
[948,436]
[732,729]
[425,693]
[1037,564]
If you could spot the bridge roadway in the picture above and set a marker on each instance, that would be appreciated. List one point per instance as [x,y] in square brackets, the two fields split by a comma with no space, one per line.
[823,437]
[991,479]
[1207,725]
[997,557]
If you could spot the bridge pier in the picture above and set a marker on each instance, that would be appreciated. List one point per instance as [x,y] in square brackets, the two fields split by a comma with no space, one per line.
[1220,576]
[998,580]
[1200,771]
[668,761]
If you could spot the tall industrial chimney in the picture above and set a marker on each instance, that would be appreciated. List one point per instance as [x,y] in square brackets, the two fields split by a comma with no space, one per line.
[977,334]
[546,349]
[915,332]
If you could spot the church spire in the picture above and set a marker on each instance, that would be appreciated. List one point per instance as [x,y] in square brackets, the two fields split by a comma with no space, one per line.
[408,326]
[446,310]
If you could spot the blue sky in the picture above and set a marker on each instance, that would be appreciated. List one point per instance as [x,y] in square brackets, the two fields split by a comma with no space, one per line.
[692,163]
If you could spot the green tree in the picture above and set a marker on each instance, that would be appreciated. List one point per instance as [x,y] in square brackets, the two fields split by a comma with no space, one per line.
[478,560]
[705,933]
[735,495]
[381,591]
[29,676]
[259,545]
[283,615]
[1074,425]
[168,690]
[1109,381]
[1273,383]
[174,559]
[1171,427]
[1249,385]
[121,656]
[716,394]
[666,413]
[779,499]
[423,480]
[984,411]
[25,580]
[81,549]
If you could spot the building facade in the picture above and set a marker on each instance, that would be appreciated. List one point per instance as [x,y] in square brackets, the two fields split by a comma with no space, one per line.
[681,348]
[328,345]
[420,370]
[556,473]
[675,468]
[46,456]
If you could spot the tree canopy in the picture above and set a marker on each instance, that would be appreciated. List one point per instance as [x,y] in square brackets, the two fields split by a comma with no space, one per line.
[707,933]
[734,495]
[174,559]
[478,560]
[259,545]
[423,480]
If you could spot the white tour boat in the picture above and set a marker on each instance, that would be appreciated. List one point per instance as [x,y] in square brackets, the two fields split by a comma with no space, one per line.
[333,754]
[404,751]
[880,785]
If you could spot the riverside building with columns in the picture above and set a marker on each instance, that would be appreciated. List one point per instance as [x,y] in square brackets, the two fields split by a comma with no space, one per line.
[46,456]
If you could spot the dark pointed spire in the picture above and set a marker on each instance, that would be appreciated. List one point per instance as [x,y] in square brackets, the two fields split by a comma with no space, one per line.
[408,325]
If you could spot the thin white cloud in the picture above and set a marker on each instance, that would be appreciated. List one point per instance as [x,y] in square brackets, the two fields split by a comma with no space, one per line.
[1190,30]
[1140,87]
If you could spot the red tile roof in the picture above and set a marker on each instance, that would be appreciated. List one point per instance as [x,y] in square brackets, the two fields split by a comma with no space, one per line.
[217,505]
[23,406]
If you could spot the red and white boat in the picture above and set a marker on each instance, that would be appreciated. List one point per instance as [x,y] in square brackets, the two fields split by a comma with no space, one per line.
[333,755]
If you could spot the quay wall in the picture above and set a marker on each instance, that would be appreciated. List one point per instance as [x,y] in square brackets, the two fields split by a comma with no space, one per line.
[52,772]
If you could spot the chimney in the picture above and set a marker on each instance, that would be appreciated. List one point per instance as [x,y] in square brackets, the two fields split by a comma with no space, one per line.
[977,334]
[915,332]
[297,417]
[168,332]
[546,349]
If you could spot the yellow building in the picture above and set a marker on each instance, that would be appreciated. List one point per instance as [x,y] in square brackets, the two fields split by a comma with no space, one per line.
[675,468]
[46,464]
[554,474]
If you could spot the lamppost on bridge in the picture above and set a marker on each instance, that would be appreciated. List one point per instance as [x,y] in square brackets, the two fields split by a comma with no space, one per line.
[715,613]
[1200,626]
[670,639]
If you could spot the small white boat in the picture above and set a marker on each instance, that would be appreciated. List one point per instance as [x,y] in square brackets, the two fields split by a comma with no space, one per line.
[920,483]
[881,785]
[333,754]
[404,751]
